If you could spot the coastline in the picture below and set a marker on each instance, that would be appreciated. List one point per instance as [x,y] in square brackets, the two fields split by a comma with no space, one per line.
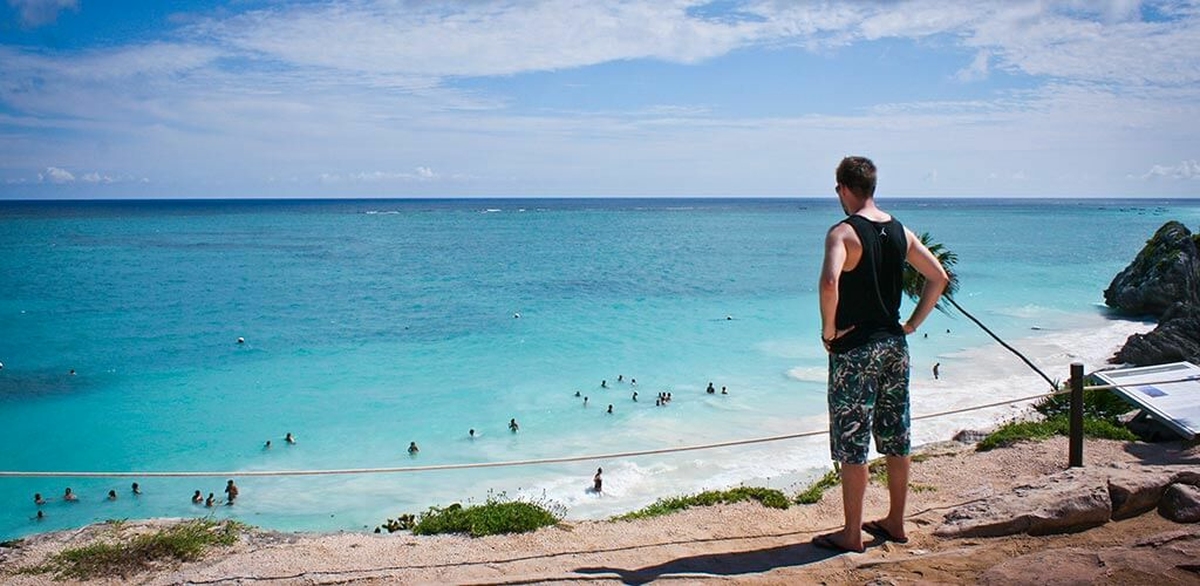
[743,543]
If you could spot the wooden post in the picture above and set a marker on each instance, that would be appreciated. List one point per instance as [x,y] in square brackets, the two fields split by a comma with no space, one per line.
[1076,444]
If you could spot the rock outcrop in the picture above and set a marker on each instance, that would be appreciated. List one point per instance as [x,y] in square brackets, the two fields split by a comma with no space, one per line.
[1165,272]
[1078,499]
[1177,337]
[1163,281]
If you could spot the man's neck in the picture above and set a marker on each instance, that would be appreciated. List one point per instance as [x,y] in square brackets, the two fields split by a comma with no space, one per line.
[867,209]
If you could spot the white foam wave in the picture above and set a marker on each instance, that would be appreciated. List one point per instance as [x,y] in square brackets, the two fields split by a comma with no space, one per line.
[809,374]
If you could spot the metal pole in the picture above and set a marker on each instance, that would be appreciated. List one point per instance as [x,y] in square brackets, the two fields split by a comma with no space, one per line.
[1076,449]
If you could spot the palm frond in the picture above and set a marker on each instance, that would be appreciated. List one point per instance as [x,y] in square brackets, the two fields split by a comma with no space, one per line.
[915,281]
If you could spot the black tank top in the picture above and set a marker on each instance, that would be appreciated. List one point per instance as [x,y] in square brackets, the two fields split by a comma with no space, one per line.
[869,295]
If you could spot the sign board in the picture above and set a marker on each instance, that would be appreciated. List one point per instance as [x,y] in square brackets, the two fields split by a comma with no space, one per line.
[1175,404]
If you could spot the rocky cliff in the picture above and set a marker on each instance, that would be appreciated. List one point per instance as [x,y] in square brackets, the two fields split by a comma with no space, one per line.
[1163,281]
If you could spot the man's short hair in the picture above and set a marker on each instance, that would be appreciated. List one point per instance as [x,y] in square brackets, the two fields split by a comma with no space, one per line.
[858,175]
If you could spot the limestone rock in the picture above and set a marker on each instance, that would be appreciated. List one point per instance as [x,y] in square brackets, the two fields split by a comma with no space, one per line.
[1133,492]
[1156,560]
[970,436]
[1181,503]
[1166,271]
[1069,502]
[1177,337]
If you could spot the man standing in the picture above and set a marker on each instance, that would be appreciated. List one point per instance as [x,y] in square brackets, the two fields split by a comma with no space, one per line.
[860,290]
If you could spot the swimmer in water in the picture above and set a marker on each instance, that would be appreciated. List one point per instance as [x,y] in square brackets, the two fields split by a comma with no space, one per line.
[610,409]
[412,448]
[69,496]
[471,433]
[267,445]
[135,488]
[604,384]
[231,492]
[38,500]
[635,395]
[112,495]
[197,498]
[597,482]
[710,390]
[289,438]
[208,502]
[512,425]
[724,391]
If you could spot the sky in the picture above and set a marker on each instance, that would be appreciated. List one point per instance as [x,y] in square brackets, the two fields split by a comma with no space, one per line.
[593,98]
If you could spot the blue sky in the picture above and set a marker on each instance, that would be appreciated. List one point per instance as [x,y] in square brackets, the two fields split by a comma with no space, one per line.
[363,98]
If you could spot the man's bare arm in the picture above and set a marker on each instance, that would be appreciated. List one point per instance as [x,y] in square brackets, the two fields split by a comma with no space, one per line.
[831,273]
[936,280]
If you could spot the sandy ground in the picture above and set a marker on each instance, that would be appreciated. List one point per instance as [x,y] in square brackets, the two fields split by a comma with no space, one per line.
[742,544]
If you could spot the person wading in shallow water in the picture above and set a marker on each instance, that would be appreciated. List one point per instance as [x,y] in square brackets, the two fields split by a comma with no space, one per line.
[860,289]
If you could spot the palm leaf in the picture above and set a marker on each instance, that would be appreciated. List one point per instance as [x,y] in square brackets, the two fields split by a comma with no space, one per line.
[915,281]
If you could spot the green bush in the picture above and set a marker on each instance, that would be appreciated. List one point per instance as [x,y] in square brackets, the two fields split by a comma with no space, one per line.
[1098,404]
[1011,433]
[186,541]
[768,497]
[813,493]
[498,515]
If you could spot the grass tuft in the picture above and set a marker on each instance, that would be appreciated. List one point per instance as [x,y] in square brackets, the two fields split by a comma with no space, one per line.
[768,497]
[816,490]
[119,556]
[498,515]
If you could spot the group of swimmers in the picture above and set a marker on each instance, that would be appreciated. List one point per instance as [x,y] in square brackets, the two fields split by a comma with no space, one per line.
[712,390]
[69,496]
[289,439]
[662,399]
[231,494]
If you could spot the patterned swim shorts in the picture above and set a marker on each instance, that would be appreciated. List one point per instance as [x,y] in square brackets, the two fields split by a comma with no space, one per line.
[868,395]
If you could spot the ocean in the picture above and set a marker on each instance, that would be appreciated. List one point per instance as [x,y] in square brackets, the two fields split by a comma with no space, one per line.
[370,324]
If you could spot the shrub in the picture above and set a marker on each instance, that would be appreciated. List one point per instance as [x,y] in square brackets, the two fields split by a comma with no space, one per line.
[186,541]
[1098,403]
[767,497]
[498,515]
[813,493]
[1011,433]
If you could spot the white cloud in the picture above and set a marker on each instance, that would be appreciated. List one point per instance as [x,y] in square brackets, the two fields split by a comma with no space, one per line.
[418,174]
[1184,170]
[977,70]
[35,13]
[56,175]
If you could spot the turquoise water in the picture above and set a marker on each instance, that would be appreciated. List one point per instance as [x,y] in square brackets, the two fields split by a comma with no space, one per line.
[370,324]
